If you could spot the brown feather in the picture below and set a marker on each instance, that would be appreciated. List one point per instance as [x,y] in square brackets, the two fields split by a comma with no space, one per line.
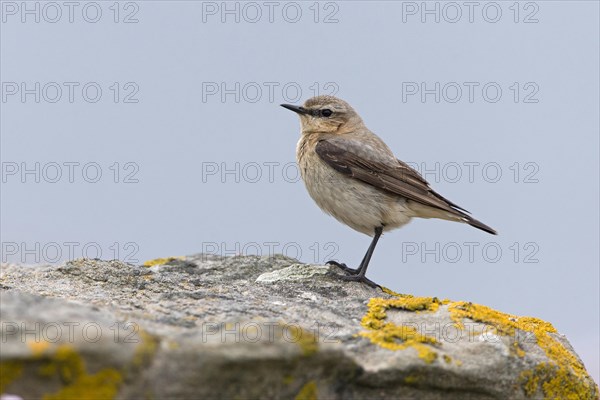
[396,177]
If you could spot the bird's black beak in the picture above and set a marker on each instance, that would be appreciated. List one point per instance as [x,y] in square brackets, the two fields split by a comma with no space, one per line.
[296,109]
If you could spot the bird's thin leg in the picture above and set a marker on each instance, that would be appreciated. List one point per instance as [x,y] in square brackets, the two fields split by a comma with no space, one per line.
[362,269]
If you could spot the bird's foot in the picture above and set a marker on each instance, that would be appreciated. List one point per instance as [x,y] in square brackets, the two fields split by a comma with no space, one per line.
[360,278]
[344,267]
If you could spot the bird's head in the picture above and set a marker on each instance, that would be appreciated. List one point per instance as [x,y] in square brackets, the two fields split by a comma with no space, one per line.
[326,114]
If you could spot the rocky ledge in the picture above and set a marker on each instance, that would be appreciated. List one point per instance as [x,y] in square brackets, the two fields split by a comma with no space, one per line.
[262,327]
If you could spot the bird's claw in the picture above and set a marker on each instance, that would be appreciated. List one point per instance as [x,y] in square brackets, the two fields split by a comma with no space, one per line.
[361,278]
[343,267]
[354,274]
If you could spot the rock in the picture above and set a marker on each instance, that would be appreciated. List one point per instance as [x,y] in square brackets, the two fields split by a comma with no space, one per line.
[258,327]
[295,272]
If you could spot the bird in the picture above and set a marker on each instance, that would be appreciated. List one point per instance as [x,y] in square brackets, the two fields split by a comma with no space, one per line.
[354,176]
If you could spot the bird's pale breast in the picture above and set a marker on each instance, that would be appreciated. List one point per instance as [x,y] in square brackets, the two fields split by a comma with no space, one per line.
[350,201]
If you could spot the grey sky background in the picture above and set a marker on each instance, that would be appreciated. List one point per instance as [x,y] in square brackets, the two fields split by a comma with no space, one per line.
[524,161]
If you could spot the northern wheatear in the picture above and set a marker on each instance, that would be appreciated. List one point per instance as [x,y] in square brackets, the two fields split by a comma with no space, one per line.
[353,175]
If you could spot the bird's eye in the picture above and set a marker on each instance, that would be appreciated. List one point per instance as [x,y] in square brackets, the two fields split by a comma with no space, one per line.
[326,112]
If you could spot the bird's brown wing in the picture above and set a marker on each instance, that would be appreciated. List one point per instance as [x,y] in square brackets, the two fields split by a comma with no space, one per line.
[360,161]
[415,175]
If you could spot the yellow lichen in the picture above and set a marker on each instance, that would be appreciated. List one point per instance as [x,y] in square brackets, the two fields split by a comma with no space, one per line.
[392,293]
[563,377]
[307,341]
[145,350]
[378,306]
[529,382]
[9,371]
[411,380]
[308,392]
[556,382]
[447,359]
[38,348]
[393,337]
[162,261]
[65,362]
[517,349]
[562,385]
[70,368]
[101,386]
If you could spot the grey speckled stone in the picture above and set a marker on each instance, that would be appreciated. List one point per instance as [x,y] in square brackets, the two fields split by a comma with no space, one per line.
[242,327]
[295,272]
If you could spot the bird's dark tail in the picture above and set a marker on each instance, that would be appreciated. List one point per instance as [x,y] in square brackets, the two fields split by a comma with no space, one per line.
[479,225]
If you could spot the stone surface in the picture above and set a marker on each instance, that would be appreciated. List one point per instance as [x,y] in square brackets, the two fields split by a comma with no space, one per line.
[258,327]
